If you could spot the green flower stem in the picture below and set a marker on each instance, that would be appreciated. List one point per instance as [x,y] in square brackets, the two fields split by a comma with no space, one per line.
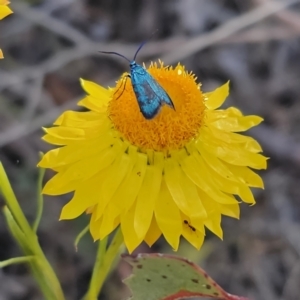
[104,263]
[49,274]
[40,199]
[28,242]
[94,285]
[111,255]
[37,270]
[12,202]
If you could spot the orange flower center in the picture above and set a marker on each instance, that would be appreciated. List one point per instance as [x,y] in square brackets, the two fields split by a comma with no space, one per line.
[170,129]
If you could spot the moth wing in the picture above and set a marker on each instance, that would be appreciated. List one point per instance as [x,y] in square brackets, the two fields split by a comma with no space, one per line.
[151,96]
[162,94]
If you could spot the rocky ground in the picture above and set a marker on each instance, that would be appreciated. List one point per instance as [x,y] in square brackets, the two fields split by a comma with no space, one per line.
[255,44]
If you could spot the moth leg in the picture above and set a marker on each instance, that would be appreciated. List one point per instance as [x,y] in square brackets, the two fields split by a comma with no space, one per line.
[124,86]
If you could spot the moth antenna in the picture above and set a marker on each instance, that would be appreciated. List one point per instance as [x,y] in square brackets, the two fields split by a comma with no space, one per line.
[142,44]
[114,53]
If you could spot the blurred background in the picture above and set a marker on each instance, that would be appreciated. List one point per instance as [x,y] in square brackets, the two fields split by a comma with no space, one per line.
[50,44]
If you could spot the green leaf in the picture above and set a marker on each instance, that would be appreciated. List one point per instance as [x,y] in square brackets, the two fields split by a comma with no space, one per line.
[16,260]
[81,234]
[17,232]
[40,198]
[12,203]
[28,241]
[168,277]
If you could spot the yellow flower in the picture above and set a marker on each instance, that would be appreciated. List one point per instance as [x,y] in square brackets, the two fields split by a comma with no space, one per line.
[173,175]
[4,11]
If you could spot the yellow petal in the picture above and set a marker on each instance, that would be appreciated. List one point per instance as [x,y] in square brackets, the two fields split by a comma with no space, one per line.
[195,222]
[248,142]
[197,210]
[213,223]
[1,54]
[252,145]
[130,186]
[241,158]
[246,175]
[172,178]
[233,112]
[230,186]
[98,96]
[233,153]
[224,113]
[4,2]
[114,176]
[92,103]
[217,97]
[70,154]
[237,124]
[214,162]
[131,239]
[210,205]
[79,119]
[55,140]
[183,190]
[153,233]
[95,226]
[95,90]
[66,132]
[79,171]
[110,220]
[196,171]
[4,11]
[231,210]
[86,195]
[192,235]
[168,217]
[147,196]
[70,135]
[58,186]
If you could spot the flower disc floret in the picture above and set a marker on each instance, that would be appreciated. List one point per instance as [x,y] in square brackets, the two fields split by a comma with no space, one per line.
[171,129]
